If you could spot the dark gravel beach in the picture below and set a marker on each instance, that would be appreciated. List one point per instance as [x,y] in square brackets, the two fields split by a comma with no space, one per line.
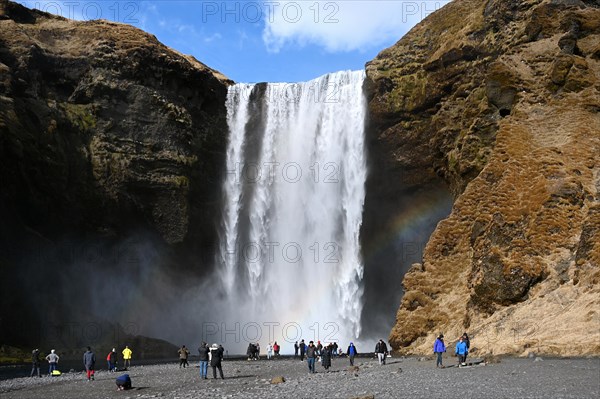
[400,378]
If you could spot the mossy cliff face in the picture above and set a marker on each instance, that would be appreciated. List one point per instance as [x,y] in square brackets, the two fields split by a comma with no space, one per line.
[500,99]
[105,134]
[101,123]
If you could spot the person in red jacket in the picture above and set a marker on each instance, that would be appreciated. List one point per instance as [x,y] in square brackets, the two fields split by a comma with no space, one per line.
[111,359]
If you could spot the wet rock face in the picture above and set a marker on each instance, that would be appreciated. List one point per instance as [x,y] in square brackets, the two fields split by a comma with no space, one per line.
[101,124]
[500,99]
[105,133]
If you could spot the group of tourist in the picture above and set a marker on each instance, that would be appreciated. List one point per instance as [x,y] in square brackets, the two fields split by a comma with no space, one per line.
[273,350]
[213,355]
[253,351]
[461,350]
[89,362]
[301,349]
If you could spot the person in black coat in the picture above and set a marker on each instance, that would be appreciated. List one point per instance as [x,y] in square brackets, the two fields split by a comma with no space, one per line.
[203,351]
[35,362]
[468,342]
[216,356]
[381,350]
[302,349]
[251,351]
[326,354]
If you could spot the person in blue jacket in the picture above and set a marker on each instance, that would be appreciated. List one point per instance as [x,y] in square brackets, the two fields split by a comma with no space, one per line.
[461,351]
[439,348]
[351,352]
[123,382]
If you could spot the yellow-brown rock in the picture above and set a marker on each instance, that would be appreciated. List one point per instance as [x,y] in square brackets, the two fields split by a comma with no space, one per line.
[504,99]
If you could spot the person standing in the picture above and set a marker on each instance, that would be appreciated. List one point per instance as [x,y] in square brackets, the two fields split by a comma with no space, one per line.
[439,348]
[89,361]
[183,356]
[351,353]
[296,347]
[111,359]
[203,355]
[381,350]
[216,356]
[276,349]
[461,351]
[52,359]
[269,351]
[302,350]
[35,362]
[326,354]
[311,356]
[319,350]
[468,342]
[250,351]
[127,357]
[334,349]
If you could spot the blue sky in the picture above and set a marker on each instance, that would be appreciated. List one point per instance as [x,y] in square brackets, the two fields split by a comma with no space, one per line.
[256,41]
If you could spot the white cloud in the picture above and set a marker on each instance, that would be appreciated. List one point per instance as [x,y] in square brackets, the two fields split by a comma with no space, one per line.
[213,37]
[343,25]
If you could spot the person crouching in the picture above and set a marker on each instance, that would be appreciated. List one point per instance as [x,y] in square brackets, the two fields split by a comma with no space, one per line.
[123,382]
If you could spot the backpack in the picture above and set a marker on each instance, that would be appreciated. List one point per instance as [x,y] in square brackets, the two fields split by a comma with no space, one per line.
[56,373]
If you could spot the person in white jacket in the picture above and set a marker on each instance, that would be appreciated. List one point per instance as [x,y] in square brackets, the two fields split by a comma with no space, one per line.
[52,359]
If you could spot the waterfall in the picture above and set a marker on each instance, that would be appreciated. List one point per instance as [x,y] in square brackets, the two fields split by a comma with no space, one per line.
[294,194]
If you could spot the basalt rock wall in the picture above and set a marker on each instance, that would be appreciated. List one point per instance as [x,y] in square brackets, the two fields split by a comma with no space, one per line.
[105,134]
[500,100]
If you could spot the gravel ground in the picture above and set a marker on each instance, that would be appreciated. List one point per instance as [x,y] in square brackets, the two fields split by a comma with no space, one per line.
[400,378]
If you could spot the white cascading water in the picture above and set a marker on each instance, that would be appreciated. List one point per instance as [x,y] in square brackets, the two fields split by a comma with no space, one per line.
[290,253]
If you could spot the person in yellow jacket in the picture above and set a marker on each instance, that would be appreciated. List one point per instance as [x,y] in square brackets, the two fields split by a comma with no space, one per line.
[127,357]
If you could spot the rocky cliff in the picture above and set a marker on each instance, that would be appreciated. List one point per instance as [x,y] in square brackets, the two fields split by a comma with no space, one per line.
[501,99]
[104,133]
